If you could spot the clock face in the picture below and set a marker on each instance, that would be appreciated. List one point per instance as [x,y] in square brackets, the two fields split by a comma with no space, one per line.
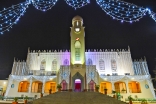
[77,29]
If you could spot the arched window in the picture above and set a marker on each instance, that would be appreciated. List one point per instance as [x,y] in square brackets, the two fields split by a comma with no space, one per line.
[90,62]
[66,62]
[134,87]
[77,50]
[23,86]
[113,65]
[50,85]
[36,87]
[101,64]
[120,87]
[91,85]
[54,64]
[43,65]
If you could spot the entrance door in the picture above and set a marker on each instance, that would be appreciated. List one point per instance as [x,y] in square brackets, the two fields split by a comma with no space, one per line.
[91,85]
[64,85]
[77,85]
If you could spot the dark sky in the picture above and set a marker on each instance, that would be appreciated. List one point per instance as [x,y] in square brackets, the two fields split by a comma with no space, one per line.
[50,30]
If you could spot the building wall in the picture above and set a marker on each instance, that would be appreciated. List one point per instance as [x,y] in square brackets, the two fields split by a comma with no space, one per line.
[123,60]
[34,59]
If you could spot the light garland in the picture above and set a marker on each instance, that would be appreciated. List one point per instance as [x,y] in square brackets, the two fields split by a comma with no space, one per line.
[77,3]
[10,16]
[123,11]
[43,5]
[117,9]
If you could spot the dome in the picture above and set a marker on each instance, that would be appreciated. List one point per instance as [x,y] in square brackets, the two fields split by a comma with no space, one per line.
[77,18]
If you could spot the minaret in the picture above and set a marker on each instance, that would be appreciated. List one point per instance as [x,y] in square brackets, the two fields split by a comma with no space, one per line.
[77,35]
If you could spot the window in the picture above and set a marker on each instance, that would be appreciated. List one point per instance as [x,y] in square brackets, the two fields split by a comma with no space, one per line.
[77,54]
[90,62]
[54,65]
[114,74]
[77,50]
[101,64]
[66,62]
[127,73]
[113,65]
[43,65]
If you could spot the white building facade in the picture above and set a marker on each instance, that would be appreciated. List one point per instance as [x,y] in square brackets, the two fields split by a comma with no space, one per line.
[80,70]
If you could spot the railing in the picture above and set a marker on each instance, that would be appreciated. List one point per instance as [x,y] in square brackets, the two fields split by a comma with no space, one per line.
[42,73]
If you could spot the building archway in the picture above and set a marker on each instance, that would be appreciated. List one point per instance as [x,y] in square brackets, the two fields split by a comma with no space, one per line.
[78,82]
[106,85]
[50,85]
[120,87]
[134,87]
[64,85]
[23,86]
[91,85]
[37,87]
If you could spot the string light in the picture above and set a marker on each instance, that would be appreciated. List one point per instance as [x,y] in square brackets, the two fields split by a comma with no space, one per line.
[117,9]
[77,3]
[10,16]
[43,5]
[122,11]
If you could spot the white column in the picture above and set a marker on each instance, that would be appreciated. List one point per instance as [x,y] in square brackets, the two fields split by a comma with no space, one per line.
[9,85]
[30,85]
[127,87]
[43,86]
[113,86]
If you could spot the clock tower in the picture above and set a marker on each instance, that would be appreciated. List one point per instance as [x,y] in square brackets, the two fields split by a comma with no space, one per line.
[77,55]
[77,35]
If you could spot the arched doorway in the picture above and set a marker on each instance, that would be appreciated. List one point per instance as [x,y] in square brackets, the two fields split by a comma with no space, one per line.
[23,86]
[134,87]
[120,87]
[50,85]
[64,85]
[77,82]
[91,85]
[106,85]
[37,87]
[77,85]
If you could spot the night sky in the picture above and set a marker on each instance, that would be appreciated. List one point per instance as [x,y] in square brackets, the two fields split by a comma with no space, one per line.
[51,30]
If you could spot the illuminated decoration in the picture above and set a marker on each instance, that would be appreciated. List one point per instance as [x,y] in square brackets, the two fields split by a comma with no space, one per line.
[77,3]
[124,11]
[10,16]
[77,29]
[117,9]
[77,38]
[43,5]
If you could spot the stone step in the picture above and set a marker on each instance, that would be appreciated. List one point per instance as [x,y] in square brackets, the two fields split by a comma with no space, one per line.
[77,98]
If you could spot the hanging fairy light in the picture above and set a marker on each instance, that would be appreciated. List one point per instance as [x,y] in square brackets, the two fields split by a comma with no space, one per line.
[117,9]
[43,5]
[10,16]
[153,15]
[121,10]
[77,3]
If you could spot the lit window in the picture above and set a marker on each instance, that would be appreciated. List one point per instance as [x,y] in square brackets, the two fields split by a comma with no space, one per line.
[101,64]
[54,65]
[113,65]
[43,65]
[90,62]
